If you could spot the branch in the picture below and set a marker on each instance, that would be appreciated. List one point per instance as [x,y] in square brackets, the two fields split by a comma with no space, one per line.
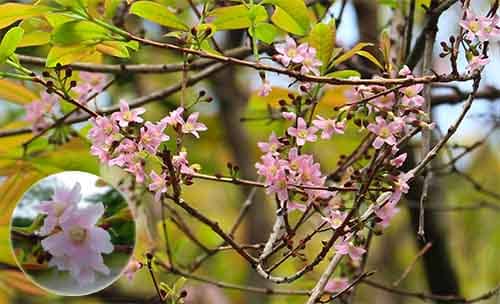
[134,103]
[240,52]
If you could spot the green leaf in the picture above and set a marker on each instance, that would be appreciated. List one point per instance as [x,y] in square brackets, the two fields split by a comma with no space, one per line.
[370,57]
[322,38]
[286,22]
[344,74]
[296,10]
[68,54]
[157,13]
[358,47]
[10,42]
[390,3]
[75,32]
[265,32]
[56,20]
[238,16]
[12,12]
[133,45]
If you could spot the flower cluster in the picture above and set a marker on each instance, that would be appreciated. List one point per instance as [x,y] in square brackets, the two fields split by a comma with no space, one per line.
[290,174]
[72,237]
[284,170]
[394,114]
[43,112]
[481,27]
[124,139]
[394,111]
[303,55]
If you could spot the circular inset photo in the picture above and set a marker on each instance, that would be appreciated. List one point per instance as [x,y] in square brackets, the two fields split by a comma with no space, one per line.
[72,233]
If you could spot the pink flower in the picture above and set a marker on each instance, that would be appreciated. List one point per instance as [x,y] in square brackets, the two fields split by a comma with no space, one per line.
[400,187]
[90,83]
[126,116]
[328,126]
[386,213]
[292,206]
[158,184]
[477,63]
[336,218]
[336,285]
[126,152]
[289,116]
[484,28]
[411,95]
[137,169]
[63,202]
[302,133]
[405,71]
[471,24]
[402,182]
[127,146]
[38,112]
[384,102]
[309,172]
[265,89]
[104,130]
[152,136]
[122,160]
[271,146]
[288,52]
[279,186]
[132,268]
[269,167]
[175,117]
[102,152]
[96,80]
[181,163]
[345,247]
[385,132]
[489,28]
[193,126]
[310,64]
[79,246]
[398,161]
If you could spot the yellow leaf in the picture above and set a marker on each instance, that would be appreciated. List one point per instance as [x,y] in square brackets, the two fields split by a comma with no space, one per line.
[69,54]
[18,280]
[273,98]
[14,187]
[113,48]
[335,96]
[6,256]
[12,91]
[4,296]
[358,47]
[11,12]
[371,58]
[34,38]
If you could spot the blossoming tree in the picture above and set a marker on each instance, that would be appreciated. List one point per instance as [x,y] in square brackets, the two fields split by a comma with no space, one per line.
[324,219]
